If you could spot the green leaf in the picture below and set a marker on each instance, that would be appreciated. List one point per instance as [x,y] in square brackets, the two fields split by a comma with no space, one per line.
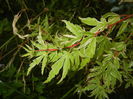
[55,57]
[122,28]
[29,47]
[90,51]
[118,46]
[84,62]
[52,55]
[44,61]
[55,69]
[103,44]
[129,83]
[113,19]
[34,63]
[75,29]
[90,87]
[116,74]
[110,14]
[100,27]
[39,46]
[30,52]
[45,22]
[39,37]
[66,67]
[116,62]
[72,59]
[90,21]
[85,42]
[76,60]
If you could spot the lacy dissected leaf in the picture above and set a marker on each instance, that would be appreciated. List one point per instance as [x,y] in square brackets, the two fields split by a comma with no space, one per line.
[101,26]
[64,61]
[44,62]
[55,56]
[112,17]
[75,29]
[34,63]
[90,21]
[110,14]
[129,83]
[116,62]
[102,45]
[99,92]
[75,60]
[88,52]
[116,74]
[30,52]
[107,71]
[39,37]
[66,66]
[96,89]
[39,46]
[84,62]
[56,67]
[85,42]
[122,28]
[118,46]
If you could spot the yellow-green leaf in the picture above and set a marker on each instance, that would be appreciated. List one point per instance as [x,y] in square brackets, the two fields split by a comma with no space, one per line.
[44,61]
[66,68]
[75,29]
[90,21]
[122,28]
[55,69]
[34,63]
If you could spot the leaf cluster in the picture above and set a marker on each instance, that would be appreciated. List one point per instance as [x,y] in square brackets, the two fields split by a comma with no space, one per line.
[102,56]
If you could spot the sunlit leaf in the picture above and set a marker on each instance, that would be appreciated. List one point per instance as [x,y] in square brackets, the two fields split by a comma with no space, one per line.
[34,63]
[66,67]
[110,14]
[89,21]
[84,62]
[39,46]
[122,28]
[90,50]
[76,60]
[44,61]
[55,69]
[55,57]
[75,29]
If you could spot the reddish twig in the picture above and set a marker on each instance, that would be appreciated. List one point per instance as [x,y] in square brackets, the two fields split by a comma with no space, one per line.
[125,18]
[123,15]
[47,50]
[98,32]
[74,45]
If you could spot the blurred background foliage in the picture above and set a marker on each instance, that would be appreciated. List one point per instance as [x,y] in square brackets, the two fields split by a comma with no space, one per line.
[14,84]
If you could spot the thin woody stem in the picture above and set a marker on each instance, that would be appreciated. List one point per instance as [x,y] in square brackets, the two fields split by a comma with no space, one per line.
[125,18]
[74,45]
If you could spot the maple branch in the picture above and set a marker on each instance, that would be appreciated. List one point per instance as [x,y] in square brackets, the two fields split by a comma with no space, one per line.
[74,45]
[96,34]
